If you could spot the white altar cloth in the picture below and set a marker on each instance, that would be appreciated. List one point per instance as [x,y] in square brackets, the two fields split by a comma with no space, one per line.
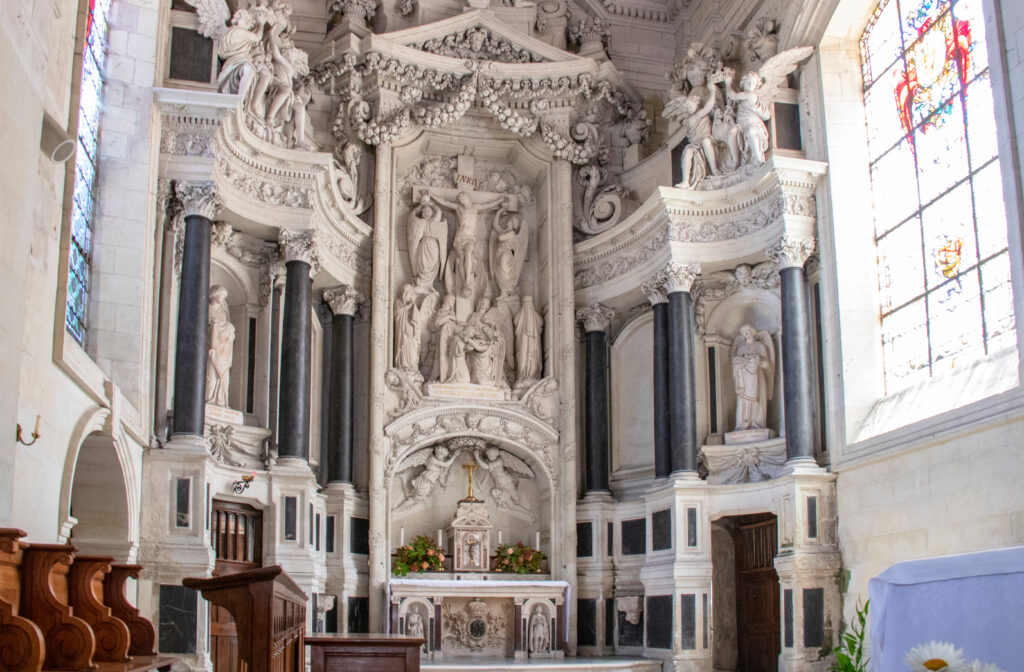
[974,601]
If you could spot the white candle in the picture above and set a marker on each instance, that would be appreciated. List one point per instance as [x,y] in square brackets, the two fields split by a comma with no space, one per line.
[440,539]
[536,544]
[499,537]
[401,537]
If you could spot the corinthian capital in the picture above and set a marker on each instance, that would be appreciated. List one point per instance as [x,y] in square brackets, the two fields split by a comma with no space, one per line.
[654,289]
[595,317]
[791,252]
[198,199]
[299,246]
[680,277]
[343,300]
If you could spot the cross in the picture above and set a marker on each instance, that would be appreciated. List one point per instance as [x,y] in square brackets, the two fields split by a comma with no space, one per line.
[465,180]
[469,470]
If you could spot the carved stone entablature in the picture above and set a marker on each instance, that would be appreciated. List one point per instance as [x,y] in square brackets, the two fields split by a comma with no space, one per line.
[716,226]
[595,317]
[198,198]
[499,426]
[663,12]
[187,136]
[722,284]
[791,252]
[250,250]
[343,300]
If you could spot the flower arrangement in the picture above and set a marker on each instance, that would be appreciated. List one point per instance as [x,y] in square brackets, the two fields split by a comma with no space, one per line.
[943,657]
[850,652]
[518,559]
[422,555]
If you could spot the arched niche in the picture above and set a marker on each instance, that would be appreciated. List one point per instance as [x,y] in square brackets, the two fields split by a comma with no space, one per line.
[243,305]
[762,309]
[632,400]
[100,503]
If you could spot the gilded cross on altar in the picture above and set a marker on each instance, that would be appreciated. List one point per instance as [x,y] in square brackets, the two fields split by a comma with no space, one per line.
[469,470]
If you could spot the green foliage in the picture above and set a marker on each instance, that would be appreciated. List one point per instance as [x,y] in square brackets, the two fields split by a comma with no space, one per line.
[422,555]
[850,652]
[518,559]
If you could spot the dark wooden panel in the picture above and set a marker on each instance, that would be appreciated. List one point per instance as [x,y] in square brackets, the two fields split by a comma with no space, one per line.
[364,653]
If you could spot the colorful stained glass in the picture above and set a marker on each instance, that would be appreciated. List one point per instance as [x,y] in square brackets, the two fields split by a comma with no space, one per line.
[94,50]
[940,222]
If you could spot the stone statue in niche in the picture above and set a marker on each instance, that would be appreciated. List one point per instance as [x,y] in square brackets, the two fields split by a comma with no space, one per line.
[540,632]
[414,625]
[427,236]
[411,316]
[446,327]
[753,371]
[528,351]
[501,471]
[472,551]
[437,469]
[221,341]
[508,252]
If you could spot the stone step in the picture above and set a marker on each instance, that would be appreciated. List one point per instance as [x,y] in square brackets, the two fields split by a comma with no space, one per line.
[608,664]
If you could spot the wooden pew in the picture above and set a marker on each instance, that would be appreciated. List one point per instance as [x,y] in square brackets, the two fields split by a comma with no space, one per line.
[269,610]
[22,648]
[112,637]
[70,642]
[141,631]
[364,653]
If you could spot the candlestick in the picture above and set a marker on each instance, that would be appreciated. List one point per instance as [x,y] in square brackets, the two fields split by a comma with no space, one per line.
[440,539]
[499,537]
[536,544]
[401,537]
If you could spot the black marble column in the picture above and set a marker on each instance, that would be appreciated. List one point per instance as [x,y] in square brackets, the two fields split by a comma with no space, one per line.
[200,203]
[595,320]
[343,302]
[296,328]
[682,387]
[798,376]
[655,292]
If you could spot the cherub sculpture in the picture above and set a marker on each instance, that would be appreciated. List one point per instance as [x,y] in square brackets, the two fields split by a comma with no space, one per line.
[501,470]
[756,97]
[700,154]
[437,469]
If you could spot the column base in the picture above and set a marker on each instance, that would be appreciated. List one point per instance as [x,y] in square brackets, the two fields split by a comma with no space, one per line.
[192,443]
[801,465]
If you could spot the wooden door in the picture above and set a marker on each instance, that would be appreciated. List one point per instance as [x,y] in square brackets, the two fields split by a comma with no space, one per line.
[757,597]
[236,532]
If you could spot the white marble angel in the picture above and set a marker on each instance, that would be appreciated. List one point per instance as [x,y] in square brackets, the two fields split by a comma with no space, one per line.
[508,251]
[437,470]
[756,98]
[408,326]
[221,342]
[753,372]
[501,471]
[427,236]
[700,154]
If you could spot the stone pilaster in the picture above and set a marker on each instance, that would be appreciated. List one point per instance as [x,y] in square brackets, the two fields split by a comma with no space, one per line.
[343,302]
[797,372]
[293,414]
[654,290]
[596,319]
[200,204]
[682,386]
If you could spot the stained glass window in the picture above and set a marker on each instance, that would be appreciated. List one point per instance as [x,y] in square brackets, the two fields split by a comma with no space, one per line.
[940,226]
[94,52]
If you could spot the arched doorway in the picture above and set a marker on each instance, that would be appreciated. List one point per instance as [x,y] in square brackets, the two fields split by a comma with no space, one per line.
[99,501]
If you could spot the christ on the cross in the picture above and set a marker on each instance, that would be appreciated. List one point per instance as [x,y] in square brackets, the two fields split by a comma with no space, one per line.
[464,274]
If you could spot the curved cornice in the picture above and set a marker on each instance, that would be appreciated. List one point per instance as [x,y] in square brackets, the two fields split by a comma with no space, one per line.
[714,227]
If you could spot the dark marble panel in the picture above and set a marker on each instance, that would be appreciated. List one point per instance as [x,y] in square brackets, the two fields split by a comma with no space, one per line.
[812,517]
[177,619]
[611,539]
[787,126]
[634,536]
[584,540]
[659,621]
[609,621]
[630,634]
[586,622]
[331,618]
[787,609]
[814,617]
[360,531]
[329,534]
[191,55]
[358,614]
[691,527]
[688,620]
[290,518]
[181,508]
[661,530]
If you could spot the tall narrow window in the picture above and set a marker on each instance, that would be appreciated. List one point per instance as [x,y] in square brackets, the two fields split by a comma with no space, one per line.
[94,54]
[940,224]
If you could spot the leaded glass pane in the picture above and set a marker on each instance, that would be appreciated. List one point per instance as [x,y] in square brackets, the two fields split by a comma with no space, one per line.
[940,223]
[1000,330]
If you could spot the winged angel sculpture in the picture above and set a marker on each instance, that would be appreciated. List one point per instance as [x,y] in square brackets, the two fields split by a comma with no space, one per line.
[753,371]
[418,485]
[501,473]
[725,129]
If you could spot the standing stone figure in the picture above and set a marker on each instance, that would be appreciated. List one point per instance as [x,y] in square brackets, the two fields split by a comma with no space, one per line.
[753,370]
[414,624]
[464,272]
[528,356]
[540,633]
[407,331]
[221,339]
[427,237]
[508,252]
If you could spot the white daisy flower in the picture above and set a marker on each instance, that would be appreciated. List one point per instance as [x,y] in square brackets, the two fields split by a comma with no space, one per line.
[936,657]
[978,666]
